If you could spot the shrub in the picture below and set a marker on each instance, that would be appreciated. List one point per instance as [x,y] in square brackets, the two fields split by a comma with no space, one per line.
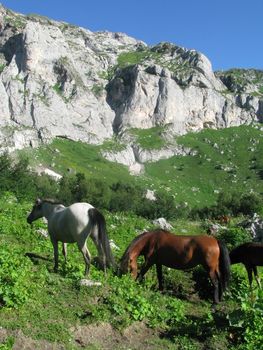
[231,203]
[78,188]
[128,301]
[234,236]
[14,277]
[246,322]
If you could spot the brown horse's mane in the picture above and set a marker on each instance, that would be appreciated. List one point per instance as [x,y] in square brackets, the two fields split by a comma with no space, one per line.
[125,257]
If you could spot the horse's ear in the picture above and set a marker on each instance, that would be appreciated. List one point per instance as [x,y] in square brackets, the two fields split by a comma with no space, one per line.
[38,201]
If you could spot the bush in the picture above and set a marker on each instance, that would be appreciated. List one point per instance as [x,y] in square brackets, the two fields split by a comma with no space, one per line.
[14,277]
[78,188]
[230,203]
[246,322]
[129,301]
[234,237]
[16,176]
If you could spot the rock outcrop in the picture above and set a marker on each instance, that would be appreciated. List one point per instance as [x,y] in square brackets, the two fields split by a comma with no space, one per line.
[60,80]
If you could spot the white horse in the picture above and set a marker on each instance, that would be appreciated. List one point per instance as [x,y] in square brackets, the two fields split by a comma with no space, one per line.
[74,224]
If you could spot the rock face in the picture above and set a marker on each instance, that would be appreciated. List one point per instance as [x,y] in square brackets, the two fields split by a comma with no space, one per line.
[61,80]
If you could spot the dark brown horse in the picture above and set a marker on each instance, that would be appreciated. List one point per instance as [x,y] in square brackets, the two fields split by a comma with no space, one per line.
[178,252]
[251,255]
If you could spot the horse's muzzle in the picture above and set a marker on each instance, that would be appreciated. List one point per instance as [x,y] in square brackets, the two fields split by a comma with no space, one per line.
[29,220]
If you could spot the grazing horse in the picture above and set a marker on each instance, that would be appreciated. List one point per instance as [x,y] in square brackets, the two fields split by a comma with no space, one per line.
[161,247]
[251,255]
[74,224]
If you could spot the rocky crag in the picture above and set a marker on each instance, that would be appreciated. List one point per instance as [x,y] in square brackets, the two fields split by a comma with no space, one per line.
[59,80]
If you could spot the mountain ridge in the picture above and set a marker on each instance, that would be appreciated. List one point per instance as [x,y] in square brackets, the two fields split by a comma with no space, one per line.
[61,80]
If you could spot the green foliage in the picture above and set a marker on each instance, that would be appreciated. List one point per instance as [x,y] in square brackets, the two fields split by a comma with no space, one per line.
[16,176]
[150,138]
[246,321]
[44,305]
[77,188]
[234,236]
[8,344]
[127,302]
[2,67]
[195,180]
[232,203]
[237,203]
[97,89]
[132,58]
[15,272]
[58,89]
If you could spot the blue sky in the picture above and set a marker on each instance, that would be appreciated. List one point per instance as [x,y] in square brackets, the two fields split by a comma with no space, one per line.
[228,32]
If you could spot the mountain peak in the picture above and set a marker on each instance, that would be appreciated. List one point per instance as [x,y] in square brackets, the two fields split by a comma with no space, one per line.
[57,79]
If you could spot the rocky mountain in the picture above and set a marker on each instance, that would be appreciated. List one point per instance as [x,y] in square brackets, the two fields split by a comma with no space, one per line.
[57,79]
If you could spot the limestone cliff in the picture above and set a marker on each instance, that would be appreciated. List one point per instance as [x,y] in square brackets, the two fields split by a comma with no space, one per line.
[60,80]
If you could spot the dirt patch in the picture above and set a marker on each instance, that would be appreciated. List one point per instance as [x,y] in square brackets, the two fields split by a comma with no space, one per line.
[21,342]
[103,335]
[100,336]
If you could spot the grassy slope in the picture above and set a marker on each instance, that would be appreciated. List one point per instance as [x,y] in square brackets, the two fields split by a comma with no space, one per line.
[227,158]
[54,303]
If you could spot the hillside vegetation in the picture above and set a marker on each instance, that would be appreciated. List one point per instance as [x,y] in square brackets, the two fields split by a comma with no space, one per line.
[227,158]
[53,311]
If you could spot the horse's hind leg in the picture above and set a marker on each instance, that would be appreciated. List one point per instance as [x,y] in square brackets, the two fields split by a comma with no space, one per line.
[55,247]
[220,286]
[256,276]
[101,252]
[215,282]
[249,274]
[159,275]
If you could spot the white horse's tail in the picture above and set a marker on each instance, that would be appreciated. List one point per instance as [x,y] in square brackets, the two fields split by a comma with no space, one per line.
[98,219]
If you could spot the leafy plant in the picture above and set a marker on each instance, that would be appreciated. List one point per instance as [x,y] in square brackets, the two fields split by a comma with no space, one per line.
[8,344]
[15,272]
[234,236]
[246,321]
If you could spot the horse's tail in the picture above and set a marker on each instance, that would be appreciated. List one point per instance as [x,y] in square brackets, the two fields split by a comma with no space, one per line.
[224,265]
[98,219]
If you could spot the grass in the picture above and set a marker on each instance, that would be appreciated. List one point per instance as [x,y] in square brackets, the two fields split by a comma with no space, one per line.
[149,139]
[227,158]
[56,304]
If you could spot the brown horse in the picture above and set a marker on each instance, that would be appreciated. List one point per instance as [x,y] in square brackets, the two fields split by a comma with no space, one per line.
[179,252]
[251,255]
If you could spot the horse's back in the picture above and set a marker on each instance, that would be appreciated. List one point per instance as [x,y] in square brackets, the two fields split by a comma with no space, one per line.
[181,251]
[249,253]
[68,223]
[78,210]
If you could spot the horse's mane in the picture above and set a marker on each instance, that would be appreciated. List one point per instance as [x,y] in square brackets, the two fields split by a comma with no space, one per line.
[125,256]
[51,201]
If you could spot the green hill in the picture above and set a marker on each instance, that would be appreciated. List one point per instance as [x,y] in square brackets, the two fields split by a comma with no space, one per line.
[226,159]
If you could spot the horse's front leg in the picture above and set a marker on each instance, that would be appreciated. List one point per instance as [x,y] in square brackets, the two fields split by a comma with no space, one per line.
[86,255]
[145,267]
[64,251]
[55,247]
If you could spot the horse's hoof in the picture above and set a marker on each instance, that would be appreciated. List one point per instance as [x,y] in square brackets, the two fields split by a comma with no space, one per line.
[214,306]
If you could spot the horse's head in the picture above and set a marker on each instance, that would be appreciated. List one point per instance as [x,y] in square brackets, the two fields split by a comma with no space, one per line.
[36,211]
[128,265]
